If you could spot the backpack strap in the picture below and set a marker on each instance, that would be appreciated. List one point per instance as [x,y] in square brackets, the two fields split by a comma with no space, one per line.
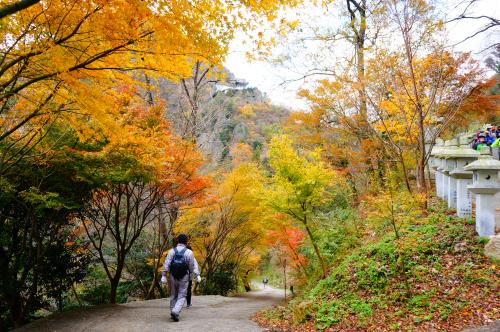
[183,251]
[175,250]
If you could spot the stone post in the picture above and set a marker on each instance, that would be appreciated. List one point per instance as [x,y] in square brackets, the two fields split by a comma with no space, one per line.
[443,168]
[451,164]
[463,156]
[434,164]
[485,185]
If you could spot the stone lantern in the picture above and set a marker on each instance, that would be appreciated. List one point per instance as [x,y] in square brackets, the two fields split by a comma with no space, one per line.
[451,157]
[434,163]
[463,156]
[444,167]
[485,185]
[443,170]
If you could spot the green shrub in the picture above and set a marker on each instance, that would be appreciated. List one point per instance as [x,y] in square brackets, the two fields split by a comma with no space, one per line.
[383,274]
[421,301]
[361,308]
[96,295]
[302,311]
[328,313]
[221,282]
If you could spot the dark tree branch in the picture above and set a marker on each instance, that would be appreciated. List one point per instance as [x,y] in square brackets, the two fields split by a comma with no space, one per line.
[16,6]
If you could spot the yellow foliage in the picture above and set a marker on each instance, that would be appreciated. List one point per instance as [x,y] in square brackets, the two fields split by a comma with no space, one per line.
[241,153]
[392,206]
[68,61]
[300,181]
[229,228]
[247,110]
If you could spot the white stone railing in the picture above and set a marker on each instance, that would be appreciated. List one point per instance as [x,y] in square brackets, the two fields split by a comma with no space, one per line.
[461,172]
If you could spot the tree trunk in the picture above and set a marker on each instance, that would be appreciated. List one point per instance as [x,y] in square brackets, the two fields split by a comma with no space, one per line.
[16,312]
[163,237]
[405,173]
[246,284]
[76,294]
[358,7]
[161,290]
[284,276]
[360,59]
[315,246]
[115,281]
[60,302]
[422,184]
[114,287]
[15,7]
[151,289]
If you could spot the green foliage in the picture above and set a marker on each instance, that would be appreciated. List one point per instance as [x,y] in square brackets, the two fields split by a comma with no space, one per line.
[361,308]
[221,282]
[272,130]
[226,133]
[302,311]
[99,294]
[276,313]
[340,232]
[225,137]
[300,182]
[95,289]
[301,185]
[399,274]
[331,312]
[40,256]
[136,263]
[419,301]
[328,313]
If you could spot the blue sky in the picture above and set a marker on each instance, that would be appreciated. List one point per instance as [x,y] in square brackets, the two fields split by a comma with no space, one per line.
[269,78]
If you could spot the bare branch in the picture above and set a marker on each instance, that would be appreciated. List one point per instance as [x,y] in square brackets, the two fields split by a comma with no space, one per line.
[16,6]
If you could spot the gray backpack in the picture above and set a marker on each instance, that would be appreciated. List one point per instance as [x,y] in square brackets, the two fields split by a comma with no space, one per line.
[179,266]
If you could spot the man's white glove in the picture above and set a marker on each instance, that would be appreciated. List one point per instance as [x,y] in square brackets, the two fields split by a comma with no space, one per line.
[198,279]
[163,279]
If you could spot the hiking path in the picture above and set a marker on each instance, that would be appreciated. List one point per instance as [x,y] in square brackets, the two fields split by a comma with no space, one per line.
[208,313]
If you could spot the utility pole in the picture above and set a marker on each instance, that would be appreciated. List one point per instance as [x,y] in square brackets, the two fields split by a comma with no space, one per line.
[284,276]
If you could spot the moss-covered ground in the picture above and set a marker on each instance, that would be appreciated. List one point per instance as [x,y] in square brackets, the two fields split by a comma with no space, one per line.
[434,277]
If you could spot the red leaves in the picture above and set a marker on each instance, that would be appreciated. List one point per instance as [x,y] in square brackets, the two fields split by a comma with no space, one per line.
[287,240]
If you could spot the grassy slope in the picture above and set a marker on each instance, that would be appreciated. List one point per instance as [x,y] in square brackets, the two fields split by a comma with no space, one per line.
[434,278]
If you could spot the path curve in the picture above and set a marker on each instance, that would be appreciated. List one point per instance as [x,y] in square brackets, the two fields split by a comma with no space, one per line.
[208,313]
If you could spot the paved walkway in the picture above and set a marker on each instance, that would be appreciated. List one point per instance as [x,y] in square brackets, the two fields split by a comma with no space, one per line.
[493,327]
[208,313]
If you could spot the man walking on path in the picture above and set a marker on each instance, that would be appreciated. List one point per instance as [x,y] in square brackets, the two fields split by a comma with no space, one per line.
[181,264]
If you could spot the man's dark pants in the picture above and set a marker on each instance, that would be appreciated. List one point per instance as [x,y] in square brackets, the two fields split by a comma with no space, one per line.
[188,296]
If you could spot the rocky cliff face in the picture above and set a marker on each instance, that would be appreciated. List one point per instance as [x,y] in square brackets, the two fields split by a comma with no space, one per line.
[227,118]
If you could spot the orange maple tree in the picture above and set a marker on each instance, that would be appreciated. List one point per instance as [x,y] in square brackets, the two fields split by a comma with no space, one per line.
[287,240]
